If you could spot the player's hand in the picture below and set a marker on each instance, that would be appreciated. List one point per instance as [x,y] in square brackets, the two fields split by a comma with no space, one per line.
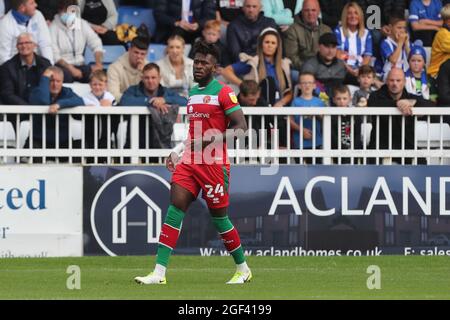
[171,161]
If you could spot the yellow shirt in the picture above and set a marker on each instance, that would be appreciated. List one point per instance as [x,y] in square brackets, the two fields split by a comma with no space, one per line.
[440,51]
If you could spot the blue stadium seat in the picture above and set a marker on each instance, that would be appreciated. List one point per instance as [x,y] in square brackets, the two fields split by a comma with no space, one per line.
[158,52]
[110,55]
[136,16]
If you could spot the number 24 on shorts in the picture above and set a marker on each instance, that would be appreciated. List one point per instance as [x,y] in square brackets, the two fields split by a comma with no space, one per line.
[213,192]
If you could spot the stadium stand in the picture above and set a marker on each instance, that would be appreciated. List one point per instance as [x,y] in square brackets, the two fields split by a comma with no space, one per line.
[110,54]
[136,16]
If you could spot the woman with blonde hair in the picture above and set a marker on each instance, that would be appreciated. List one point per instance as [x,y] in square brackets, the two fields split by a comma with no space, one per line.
[354,40]
[176,68]
[268,68]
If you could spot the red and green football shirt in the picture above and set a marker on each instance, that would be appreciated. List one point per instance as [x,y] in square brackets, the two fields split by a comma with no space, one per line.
[207,109]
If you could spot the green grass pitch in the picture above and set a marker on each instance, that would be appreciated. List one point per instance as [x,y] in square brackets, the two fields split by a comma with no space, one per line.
[194,277]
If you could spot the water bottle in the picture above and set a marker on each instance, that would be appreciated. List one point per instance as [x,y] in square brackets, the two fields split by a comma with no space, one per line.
[152,56]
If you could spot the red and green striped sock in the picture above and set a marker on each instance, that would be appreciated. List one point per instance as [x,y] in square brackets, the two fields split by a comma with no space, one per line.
[168,237]
[230,238]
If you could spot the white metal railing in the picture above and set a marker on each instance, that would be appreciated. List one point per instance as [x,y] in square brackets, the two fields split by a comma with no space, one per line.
[432,136]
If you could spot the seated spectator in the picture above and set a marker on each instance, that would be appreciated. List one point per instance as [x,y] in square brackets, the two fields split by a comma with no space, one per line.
[102,16]
[354,41]
[71,35]
[50,92]
[416,76]
[301,40]
[98,97]
[176,68]
[394,95]
[440,50]
[226,11]
[250,96]
[395,48]
[425,19]
[19,75]
[49,9]
[267,68]
[366,79]
[275,9]
[328,70]
[211,34]
[23,17]
[343,136]
[244,30]
[184,18]
[162,103]
[127,70]
[307,85]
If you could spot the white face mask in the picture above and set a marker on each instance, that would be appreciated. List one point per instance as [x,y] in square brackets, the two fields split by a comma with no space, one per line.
[69,19]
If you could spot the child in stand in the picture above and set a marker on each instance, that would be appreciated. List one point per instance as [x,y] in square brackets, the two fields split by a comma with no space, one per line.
[366,79]
[342,130]
[307,85]
[416,76]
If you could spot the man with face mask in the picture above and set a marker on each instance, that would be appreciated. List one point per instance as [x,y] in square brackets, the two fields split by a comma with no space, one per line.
[24,17]
[70,36]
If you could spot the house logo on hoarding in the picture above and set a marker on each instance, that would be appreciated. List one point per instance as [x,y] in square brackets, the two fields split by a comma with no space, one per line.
[120,221]
[126,213]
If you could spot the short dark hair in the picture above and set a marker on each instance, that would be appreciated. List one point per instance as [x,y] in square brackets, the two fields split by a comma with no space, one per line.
[306,73]
[342,88]
[207,48]
[15,4]
[249,87]
[396,16]
[64,4]
[151,66]
[366,70]
[141,43]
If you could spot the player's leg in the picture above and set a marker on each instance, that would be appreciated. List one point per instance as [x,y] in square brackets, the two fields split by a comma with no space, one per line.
[183,191]
[232,242]
[215,183]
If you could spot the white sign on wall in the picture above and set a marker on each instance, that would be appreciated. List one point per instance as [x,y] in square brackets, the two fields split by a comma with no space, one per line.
[41,211]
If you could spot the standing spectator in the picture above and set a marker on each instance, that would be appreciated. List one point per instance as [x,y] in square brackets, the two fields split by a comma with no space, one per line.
[211,34]
[187,17]
[328,70]
[440,50]
[416,76]
[301,41]
[176,69]
[394,95]
[23,17]
[50,92]
[307,85]
[163,105]
[243,31]
[395,48]
[343,136]
[71,35]
[99,96]
[127,70]
[354,41]
[275,9]
[102,16]
[425,19]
